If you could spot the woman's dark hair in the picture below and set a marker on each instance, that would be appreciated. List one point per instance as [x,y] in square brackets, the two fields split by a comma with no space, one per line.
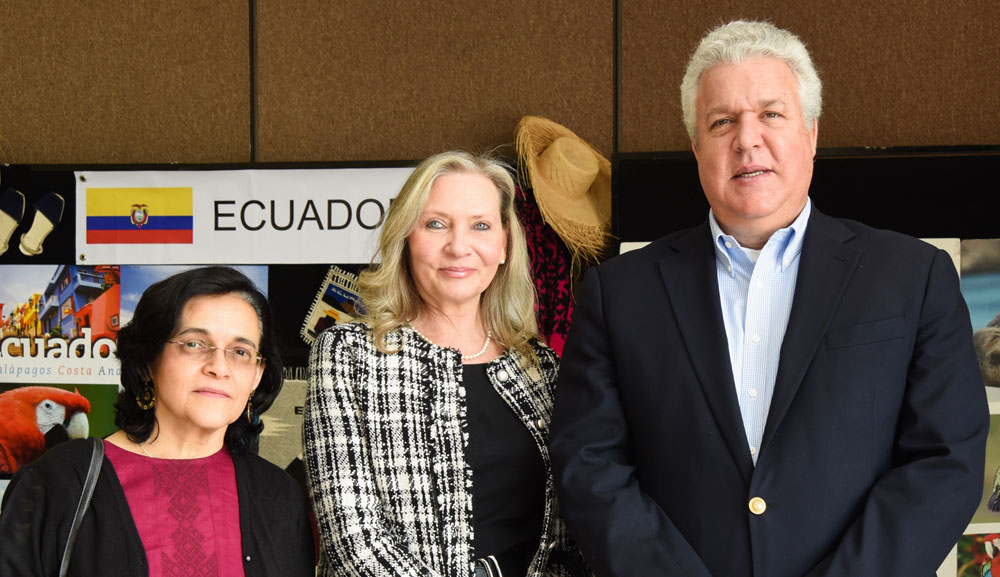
[141,342]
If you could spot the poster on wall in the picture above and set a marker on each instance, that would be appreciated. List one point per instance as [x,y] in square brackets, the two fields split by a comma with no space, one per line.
[59,323]
[978,551]
[137,279]
[989,502]
[232,216]
[981,289]
[58,374]
[335,303]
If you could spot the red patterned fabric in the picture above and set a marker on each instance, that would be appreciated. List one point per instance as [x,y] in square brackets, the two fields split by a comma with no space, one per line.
[186,512]
[550,263]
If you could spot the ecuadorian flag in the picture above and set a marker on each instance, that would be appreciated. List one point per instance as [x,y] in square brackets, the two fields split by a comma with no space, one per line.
[139,216]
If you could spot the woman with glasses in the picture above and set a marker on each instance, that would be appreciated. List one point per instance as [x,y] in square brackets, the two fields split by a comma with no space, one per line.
[425,424]
[179,492]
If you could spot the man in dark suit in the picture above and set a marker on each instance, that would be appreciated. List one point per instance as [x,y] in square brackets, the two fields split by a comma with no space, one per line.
[776,392]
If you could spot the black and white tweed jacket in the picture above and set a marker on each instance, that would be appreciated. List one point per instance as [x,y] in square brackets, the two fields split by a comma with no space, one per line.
[384,438]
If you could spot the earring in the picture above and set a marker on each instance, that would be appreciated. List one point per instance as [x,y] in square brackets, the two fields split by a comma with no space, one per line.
[503,261]
[249,403]
[147,400]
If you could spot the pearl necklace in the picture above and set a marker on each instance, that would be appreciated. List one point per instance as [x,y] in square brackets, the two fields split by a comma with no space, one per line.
[482,351]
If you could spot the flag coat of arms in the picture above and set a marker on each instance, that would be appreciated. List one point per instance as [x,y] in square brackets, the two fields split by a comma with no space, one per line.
[140,215]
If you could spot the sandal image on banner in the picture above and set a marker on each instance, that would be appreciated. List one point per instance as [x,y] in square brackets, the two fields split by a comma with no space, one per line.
[11,212]
[48,214]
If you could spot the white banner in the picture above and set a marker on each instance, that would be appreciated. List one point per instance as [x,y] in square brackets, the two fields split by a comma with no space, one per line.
[291,216]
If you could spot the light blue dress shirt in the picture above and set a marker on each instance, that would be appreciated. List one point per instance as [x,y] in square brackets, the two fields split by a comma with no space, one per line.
[756,290]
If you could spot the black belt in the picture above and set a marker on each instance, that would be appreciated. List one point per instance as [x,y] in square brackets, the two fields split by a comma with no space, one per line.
[488,567]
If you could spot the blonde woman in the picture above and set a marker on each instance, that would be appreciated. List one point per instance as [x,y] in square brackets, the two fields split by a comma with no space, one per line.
[426,422]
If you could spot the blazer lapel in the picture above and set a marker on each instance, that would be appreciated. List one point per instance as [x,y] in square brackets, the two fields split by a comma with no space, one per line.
[689,275]
[825,268]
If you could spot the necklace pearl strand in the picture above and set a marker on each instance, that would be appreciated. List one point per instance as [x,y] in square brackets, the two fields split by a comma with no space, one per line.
[482,351]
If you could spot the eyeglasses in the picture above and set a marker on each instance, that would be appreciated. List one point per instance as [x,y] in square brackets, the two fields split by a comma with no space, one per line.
[242,355]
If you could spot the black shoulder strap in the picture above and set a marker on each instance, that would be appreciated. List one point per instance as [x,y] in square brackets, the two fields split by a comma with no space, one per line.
[96,459]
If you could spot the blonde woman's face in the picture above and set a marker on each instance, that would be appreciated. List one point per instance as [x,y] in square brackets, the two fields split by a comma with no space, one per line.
[458,242]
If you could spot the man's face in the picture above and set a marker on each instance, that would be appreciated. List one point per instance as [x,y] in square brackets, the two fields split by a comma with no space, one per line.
[755,154]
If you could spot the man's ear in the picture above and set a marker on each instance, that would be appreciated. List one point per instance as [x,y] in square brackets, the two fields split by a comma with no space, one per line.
[814,133]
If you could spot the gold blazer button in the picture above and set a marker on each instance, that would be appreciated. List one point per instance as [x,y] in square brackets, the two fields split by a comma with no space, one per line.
[758,506]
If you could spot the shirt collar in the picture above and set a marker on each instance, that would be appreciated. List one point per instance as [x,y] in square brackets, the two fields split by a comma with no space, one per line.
[790,238]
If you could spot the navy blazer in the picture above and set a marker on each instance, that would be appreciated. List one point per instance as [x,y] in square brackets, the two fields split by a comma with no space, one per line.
[872,459]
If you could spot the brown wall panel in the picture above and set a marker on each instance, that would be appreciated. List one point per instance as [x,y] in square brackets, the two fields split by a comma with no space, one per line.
[399,80]
[124,81]
[152,82]
[895,73]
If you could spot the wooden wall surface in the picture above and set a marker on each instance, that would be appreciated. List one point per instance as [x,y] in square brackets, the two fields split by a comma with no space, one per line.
[895,73]
[119,81]
[396,79]
[227,81]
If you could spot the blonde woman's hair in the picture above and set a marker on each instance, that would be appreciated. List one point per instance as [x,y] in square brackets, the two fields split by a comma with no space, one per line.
[388,294]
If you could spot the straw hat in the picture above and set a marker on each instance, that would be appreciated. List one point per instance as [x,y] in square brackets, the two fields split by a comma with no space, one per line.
[572,184]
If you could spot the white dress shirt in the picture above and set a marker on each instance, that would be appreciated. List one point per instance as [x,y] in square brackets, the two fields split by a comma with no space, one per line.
[756,290]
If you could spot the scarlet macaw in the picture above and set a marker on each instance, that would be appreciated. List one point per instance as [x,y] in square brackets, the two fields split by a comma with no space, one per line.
[28,414]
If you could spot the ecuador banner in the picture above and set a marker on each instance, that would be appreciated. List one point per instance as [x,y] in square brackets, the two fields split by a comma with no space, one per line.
[139,216]
[287,216]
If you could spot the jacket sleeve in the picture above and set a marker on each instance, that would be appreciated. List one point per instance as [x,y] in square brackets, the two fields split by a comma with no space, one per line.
[276,526]
[28,546]
[355,539]
[301,557]
[621,530]
[918,509]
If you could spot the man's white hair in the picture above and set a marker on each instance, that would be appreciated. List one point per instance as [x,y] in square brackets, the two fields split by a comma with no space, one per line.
[738,41]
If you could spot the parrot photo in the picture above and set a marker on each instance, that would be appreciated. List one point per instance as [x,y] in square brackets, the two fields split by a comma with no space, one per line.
[32,419]
[991,543]
[994,501]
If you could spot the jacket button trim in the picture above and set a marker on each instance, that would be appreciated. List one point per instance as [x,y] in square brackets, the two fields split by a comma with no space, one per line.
[757,506]
[502,376]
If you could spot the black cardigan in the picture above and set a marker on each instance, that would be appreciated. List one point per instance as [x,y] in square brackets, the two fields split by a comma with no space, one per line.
[39,503]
